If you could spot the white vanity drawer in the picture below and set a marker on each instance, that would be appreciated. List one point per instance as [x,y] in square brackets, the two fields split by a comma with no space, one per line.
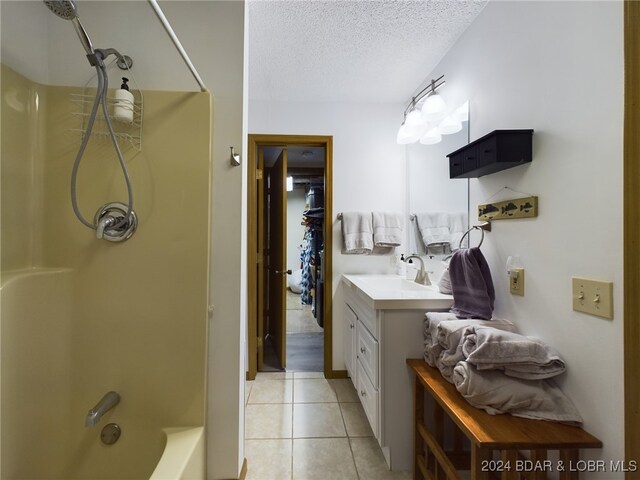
[368,397]
[349,340]
[367,316]
[367,353]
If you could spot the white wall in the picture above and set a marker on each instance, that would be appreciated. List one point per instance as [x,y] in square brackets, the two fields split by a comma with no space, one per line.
[557,67]
[368,171]
[46,49]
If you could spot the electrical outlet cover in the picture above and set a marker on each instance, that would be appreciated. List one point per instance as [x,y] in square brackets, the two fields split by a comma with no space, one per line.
[593,296]
[516,281]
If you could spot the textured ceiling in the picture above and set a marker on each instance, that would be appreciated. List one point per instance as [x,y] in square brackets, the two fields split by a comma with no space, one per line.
[369,51]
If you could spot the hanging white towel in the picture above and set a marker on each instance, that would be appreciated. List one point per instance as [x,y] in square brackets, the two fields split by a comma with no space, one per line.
[387,229]
[434,227]
[357,233]
[458,225]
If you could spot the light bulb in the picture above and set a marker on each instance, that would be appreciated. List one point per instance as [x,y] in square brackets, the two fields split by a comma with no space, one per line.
[449,125]
[431,137]
[414,118]
[434,107]
[405,135]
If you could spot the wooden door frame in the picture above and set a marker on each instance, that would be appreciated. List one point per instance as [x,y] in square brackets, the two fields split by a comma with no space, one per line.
[631,180]
[254,141]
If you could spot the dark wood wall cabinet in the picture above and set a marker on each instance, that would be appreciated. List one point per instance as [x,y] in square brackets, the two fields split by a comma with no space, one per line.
[498,150]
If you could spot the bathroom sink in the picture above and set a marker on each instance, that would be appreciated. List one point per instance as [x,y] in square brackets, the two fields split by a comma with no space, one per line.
[396,292]
[388,282]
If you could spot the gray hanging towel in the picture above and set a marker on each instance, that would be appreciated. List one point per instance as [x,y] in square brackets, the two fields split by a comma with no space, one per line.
[471,283]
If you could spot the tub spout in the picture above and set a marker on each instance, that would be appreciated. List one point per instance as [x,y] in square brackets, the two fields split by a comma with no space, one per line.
[105,404]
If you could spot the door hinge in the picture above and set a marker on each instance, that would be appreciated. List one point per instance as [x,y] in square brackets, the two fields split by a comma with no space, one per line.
[259,174]
[259,258]
[260,342]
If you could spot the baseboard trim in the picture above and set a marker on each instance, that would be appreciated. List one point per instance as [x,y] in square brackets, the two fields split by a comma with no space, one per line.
[339,374]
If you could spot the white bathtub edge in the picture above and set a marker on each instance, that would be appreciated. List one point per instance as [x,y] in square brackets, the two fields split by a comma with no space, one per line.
[184,455]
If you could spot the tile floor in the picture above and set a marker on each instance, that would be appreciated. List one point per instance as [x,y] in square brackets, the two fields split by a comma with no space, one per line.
[299,317]
[300,426]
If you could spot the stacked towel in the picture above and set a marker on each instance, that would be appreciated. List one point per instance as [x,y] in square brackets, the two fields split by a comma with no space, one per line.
[357,233]
[387,229]
[519,356]
[450,337]
[432,348]
[496,393]
[472,285]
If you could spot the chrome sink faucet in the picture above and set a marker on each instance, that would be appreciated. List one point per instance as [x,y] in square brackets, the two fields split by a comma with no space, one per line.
[106,403]
[422,277]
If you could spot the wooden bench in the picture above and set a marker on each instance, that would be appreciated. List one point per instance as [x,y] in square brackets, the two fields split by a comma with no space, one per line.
[487,433]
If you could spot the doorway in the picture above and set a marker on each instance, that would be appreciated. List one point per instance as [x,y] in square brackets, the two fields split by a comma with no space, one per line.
[289,257]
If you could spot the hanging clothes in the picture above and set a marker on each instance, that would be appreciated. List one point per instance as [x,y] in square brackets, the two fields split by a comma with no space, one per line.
[306,255]
[312,245]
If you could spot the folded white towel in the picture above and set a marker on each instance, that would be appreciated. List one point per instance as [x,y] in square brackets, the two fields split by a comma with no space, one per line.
[496,393]
[387,229]
[519,356]
[357,233]
[434,227]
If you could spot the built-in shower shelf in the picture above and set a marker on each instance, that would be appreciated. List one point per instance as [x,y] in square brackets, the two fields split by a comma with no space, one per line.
[123,138]
[127,134]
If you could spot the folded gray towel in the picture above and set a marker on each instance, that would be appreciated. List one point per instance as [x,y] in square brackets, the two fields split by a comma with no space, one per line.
[494,392]
[445,370]
[472,285]
[519,356]
[450,333]
[432,348]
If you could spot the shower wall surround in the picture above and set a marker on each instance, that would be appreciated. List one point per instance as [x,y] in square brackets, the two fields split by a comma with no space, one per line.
[81,316]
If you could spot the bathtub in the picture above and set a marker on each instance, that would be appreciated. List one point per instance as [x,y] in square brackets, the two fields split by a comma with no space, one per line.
[184,455]
[37,309]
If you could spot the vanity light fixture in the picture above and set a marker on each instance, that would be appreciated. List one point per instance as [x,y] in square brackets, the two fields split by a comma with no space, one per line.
[450,125]
[289,184]
[434,107]
[426,118]
[432,137]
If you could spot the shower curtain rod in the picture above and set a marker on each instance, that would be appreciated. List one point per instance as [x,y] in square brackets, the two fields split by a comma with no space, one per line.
[176,42]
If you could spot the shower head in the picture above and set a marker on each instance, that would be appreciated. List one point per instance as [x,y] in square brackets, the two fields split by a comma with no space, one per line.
[67,10]
[63,8]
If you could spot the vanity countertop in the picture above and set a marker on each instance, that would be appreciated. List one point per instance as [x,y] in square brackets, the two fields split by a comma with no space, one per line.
[394,292]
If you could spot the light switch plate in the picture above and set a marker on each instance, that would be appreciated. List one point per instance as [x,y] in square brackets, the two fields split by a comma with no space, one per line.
[593,296]
[516,281]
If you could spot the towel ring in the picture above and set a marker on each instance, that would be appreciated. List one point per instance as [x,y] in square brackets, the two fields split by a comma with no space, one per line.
[482,227]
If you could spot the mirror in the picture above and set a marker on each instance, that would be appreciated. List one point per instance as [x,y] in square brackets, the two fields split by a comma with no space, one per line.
[431,191]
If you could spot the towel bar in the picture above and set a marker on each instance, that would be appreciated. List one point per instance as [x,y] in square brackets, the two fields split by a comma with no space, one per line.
[484,226]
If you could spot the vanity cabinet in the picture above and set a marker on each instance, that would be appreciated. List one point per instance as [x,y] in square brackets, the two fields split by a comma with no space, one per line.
[349,339]
[499,150]
[383,336]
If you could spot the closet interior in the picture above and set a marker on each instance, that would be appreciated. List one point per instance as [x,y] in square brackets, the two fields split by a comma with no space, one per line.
[304,318]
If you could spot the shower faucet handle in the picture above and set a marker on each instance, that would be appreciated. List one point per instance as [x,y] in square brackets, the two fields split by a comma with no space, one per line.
[105,222]
[110,225]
